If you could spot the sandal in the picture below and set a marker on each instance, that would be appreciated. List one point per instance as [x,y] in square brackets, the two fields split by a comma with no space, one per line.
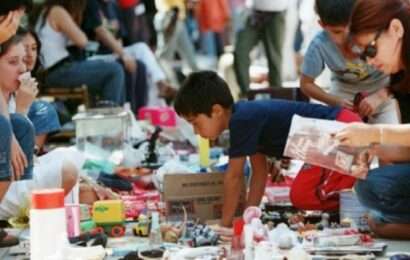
[7,240]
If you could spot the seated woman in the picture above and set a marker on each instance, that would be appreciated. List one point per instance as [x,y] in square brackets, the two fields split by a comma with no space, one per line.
[18,175]
[42,114]
[10,14]
[381,31]
[112,24]
[58,27]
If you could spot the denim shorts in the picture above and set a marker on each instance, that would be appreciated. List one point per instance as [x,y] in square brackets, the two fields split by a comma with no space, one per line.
[44,117]
[5,150]
[24,133]
[386,193]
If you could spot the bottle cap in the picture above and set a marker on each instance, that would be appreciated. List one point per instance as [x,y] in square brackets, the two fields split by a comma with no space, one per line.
[47,199]
[238,226]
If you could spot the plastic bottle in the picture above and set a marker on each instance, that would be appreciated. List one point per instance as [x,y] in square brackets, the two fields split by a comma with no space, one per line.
[237,244]
[248,242]
[47,223]
[155,233]
[203,145]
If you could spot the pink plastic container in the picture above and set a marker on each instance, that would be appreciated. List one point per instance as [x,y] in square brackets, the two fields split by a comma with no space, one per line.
[158,116]
[73,219]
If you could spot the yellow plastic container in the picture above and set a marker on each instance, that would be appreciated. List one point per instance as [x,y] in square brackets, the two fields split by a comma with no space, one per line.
[203,145]
[108,211]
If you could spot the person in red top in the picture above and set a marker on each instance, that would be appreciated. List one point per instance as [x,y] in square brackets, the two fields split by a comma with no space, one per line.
[127,3]
[213,16]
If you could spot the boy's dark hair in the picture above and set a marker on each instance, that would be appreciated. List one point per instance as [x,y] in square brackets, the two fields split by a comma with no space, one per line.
[334,12]
[200,91]
[7,6]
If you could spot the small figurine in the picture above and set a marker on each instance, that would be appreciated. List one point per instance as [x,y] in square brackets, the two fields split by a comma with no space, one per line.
[141,229]
[325,220]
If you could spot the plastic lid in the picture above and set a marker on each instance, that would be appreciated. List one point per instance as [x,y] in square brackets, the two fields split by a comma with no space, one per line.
[238,226]
[47,199]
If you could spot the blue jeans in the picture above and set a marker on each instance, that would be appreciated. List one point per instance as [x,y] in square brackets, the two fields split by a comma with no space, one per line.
[44,117]
[386,192]
[104,77]
[24,133]
[5,148]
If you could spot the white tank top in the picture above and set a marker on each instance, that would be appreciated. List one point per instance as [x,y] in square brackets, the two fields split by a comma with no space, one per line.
[53,44]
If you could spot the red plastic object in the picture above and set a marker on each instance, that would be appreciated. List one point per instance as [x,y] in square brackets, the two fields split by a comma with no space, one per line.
[238,227]
[117,231]
[99,230]
[125,4]
[47,199]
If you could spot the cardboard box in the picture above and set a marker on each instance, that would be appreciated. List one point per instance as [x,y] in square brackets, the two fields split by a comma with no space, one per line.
[201,194]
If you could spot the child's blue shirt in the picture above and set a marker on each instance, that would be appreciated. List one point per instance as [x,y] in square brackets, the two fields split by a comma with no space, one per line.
[349,77]
[262,126]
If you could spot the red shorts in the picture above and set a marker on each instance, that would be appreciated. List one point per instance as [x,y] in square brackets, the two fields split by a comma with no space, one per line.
[315,188]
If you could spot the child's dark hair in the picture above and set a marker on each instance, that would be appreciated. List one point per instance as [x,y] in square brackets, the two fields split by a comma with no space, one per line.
[200,91]
[23,32]
[7,6]
[334,12]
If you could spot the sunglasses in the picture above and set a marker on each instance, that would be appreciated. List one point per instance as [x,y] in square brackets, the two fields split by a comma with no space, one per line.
[370,51]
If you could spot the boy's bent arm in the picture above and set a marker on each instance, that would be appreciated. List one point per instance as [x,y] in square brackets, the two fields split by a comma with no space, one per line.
[309,88]
[233,182]
[258,181]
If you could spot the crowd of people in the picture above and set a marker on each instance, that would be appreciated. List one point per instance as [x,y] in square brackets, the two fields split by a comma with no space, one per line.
[129,51]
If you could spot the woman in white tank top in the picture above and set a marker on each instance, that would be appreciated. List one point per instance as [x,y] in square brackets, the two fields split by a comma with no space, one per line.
[58,28]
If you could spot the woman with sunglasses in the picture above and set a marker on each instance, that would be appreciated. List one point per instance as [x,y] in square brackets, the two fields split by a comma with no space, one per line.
[381,29]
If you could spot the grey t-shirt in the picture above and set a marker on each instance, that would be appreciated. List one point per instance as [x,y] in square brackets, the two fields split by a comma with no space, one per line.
[348,76]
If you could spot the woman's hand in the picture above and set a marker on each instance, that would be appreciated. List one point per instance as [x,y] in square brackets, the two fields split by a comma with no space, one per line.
[129,63]
[26,94]
[18,160]
[9,25]
[369,104]
[358,135]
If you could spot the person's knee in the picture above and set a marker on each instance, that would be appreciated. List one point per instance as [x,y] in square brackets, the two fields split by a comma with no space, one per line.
[3,121]
[5,152]
[364,192]
[117,71]
[69,176]
[22,128]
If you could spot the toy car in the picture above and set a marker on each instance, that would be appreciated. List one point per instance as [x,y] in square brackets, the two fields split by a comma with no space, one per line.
[109,217]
